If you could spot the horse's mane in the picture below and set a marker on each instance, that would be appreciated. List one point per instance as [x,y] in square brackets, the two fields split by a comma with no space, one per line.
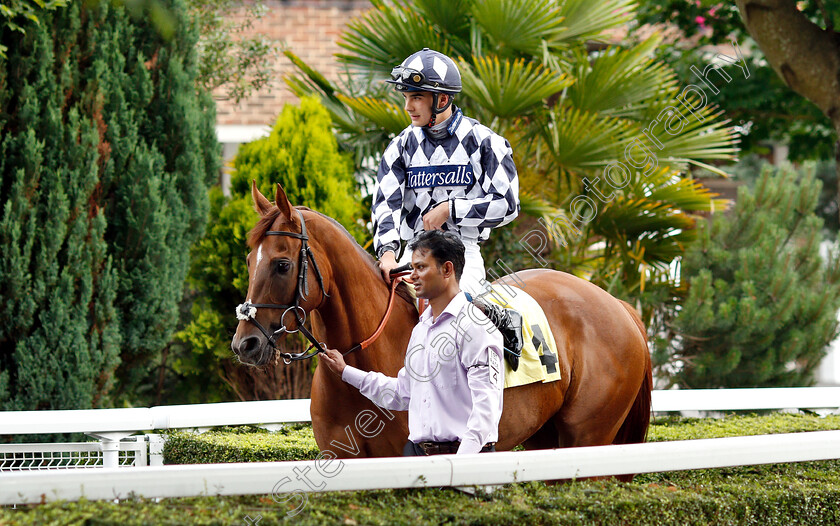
[264,225]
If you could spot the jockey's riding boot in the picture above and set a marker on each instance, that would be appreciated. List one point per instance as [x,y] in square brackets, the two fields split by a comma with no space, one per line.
[509,323]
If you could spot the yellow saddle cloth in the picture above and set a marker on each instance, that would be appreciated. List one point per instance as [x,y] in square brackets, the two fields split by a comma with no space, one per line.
[538,362]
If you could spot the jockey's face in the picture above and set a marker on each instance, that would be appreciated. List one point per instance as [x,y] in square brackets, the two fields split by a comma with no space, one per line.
[418,105]
[430,278]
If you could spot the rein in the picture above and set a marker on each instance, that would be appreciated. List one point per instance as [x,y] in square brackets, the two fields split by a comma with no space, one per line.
[365,344]
[247,311]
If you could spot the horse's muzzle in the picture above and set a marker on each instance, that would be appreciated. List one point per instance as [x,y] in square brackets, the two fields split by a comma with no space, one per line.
[251,350]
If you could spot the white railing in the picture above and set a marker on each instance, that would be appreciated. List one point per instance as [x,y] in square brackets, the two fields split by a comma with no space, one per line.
[446,470]
[746,399]
[113,426]
[285,411]
[154,418]
[34,457]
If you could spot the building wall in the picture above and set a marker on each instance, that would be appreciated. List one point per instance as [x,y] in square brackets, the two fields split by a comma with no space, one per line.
[311,29]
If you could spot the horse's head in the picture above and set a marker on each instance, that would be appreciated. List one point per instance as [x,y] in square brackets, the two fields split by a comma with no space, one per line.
[281,288]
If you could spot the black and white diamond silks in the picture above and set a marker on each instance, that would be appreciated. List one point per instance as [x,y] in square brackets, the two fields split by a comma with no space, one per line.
[471,168]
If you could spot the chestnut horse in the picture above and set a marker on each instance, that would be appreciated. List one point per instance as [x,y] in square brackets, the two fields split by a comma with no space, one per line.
[603,396]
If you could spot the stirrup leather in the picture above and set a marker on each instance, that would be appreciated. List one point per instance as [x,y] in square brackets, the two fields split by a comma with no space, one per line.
[509,323]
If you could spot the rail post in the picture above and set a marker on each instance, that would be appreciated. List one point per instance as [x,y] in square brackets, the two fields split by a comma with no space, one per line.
[110,444]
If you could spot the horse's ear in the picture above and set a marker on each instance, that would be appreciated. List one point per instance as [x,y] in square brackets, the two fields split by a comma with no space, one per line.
[283,203]
[261,204]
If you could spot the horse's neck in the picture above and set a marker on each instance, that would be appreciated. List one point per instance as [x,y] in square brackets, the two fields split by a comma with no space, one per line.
[357,303]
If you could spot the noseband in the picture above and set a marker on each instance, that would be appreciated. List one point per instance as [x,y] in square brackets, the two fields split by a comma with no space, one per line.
[248,311]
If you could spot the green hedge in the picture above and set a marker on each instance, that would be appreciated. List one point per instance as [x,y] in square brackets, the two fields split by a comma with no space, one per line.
[581,503]
[245,444]
[780,494]
[678,428]
[252,444]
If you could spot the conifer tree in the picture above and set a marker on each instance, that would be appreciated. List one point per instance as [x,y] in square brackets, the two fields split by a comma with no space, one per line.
[762,302]
[106,153]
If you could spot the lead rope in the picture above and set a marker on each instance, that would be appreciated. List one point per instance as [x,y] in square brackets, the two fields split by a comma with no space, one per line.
[365,344]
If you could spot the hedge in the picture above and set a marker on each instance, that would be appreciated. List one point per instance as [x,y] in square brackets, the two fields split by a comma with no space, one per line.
[245,444]
[252,444]
[581,503]
[781,494]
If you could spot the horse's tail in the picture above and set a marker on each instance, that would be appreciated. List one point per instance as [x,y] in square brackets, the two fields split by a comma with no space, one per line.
[635,426]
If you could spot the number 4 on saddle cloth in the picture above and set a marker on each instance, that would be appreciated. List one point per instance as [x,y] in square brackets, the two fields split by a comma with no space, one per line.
[530,349]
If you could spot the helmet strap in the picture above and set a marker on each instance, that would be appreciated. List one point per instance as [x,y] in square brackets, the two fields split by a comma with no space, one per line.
[436,110]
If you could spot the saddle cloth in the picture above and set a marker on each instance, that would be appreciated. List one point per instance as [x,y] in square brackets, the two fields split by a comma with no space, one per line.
[538,362]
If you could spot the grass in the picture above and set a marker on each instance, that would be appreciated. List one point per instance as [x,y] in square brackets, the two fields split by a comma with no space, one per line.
[801,493]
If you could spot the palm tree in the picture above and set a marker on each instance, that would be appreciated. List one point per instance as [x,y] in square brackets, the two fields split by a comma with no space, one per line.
[572,108]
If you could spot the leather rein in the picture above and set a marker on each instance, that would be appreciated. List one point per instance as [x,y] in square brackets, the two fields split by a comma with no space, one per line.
[247,311]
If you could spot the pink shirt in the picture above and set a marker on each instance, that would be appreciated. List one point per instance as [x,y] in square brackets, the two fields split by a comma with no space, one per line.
[452,380]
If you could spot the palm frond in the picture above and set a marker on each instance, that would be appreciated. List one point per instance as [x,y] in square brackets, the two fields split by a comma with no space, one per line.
[585,19]
[710,139]
[354,130]
[450,16]
[314,79]
[562,230]
[385,35]
[620,82]
[307,81]
[650,220]
[381,113]
[681,193]
[577,140]
[509,88]
[519,26]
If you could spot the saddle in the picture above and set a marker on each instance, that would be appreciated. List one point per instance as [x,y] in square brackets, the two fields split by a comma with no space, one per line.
[509,323]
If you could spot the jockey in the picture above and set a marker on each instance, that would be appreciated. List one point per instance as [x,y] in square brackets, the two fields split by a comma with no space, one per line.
[444,172]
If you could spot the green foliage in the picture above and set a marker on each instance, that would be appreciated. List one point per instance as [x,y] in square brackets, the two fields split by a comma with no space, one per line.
[245,444]
[828,207]
[681,428]
[228,58]
[750,167]
[583,503]
[779,494]
[301,153]
[769,111]
[569,107]
[762,302]
[17,15]
[297,442]
[219,275]
[764,107]
[106,153]
[715,20]
[511,88]
[769,494]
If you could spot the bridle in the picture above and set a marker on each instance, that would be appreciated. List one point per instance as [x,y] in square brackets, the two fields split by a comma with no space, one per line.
[247,311]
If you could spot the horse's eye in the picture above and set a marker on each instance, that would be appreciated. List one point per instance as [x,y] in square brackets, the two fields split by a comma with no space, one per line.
[282,266]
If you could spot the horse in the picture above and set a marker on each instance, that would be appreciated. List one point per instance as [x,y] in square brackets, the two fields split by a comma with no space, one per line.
[603,396]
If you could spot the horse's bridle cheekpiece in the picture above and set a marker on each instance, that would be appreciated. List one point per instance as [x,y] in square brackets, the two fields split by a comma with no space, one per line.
[248,311]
